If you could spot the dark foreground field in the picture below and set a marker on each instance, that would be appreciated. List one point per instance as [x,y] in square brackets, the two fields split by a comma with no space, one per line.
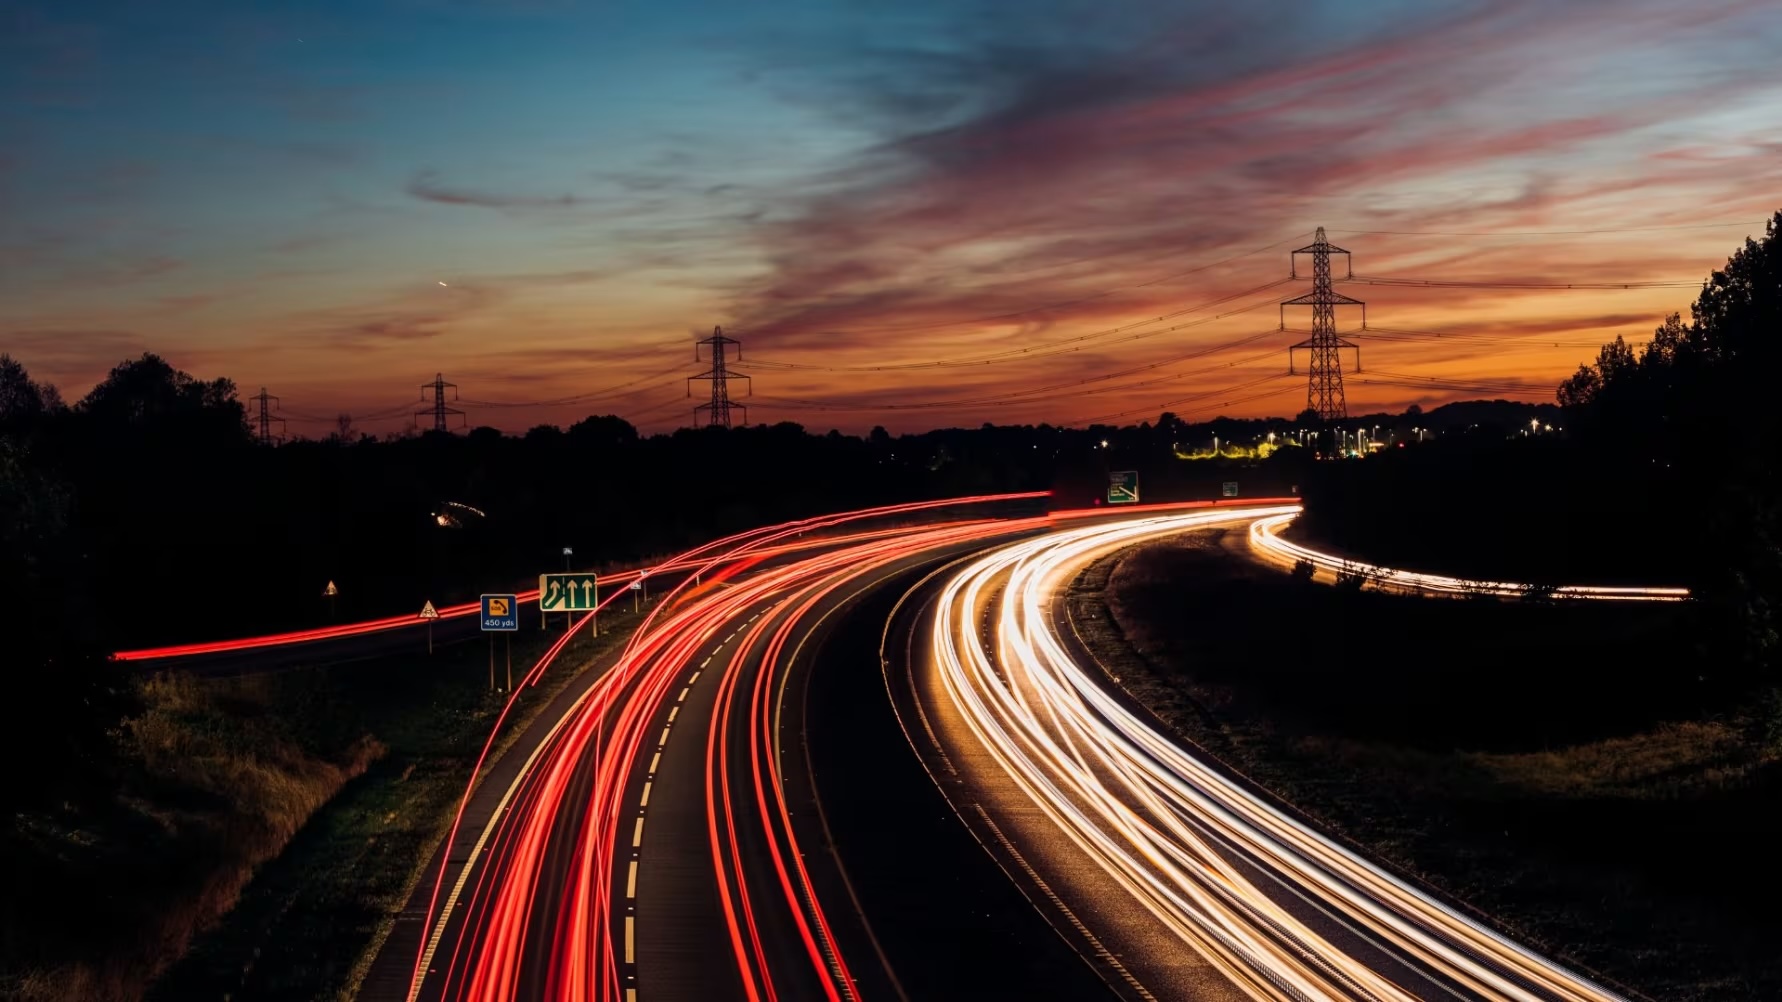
[267,828]
[1561,768]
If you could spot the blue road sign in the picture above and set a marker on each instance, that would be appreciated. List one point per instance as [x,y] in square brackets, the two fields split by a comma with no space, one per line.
[501,612]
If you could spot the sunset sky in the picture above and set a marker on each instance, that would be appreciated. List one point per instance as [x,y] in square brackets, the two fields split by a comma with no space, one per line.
[275,192]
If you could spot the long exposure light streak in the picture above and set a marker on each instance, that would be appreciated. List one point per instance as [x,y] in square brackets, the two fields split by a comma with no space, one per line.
[532,919]
[1206,859]
[1265,538]
[619,580]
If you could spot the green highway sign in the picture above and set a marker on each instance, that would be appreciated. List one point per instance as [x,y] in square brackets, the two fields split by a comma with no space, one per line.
[1123,487]
[567,592]
[1229,489]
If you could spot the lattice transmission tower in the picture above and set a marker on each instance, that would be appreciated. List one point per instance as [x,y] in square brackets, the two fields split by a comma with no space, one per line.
[268,403]
[717,410]
[1324,382]
[439,410]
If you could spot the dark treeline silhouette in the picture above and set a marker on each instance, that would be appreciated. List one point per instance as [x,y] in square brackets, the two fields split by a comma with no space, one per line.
[173,524]
[147,513]
[1666,469]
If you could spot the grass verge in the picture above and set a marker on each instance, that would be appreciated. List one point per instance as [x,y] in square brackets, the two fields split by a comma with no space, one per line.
[217,778]
[1552,766]
[312,920]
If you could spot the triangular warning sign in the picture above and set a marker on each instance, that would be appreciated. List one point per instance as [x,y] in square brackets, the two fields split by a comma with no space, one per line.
[330,590]
[428,611]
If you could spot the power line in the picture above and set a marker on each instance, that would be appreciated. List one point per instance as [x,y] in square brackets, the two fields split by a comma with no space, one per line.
[614,390]
[1071,302]
[1421,283]
[1424,337]
[1205,394]
[1462,385]
[1047,349]
[1542,233]
[1068,388]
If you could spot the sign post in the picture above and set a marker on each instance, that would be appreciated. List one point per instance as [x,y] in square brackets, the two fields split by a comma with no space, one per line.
[500,614]
[567,553]
[429,613]
[329,593]
[1123,487]
[636,590]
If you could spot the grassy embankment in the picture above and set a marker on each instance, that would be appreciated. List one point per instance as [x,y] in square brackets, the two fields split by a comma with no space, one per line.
[313,919]
[1556,766]
[270,826]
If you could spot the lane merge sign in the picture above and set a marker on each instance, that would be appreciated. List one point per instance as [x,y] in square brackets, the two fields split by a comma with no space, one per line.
[1123,487]
[568,592]
[501,613]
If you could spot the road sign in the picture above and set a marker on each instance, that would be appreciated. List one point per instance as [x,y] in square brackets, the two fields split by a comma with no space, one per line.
[567,592]
[568,552]
[501,613]
[330,591]
[1123,487]
[1228,489]
[637,586]
[428,611]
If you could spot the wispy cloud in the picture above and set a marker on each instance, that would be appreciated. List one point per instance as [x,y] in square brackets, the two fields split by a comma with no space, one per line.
[1061,150]
[426,186]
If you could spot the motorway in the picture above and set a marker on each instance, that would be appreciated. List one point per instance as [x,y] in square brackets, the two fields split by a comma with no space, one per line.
[655,839]
[730,810]
[1174,878]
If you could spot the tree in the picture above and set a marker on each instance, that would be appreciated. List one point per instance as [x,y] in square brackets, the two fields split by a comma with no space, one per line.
[23,402]
[66,697]
[1697,399]
[147,390]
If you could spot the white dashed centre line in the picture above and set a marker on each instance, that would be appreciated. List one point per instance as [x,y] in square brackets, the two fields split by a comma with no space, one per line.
[644,802]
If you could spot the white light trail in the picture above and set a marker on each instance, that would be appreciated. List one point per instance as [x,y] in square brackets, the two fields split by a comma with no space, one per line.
[1183,840]
[1265,537]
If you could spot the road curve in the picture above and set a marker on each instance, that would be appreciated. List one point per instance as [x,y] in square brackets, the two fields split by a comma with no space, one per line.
[1173,878]
[653,839]
[1266,542]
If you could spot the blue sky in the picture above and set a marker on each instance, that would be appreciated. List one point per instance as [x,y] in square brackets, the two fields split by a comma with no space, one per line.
[274,191]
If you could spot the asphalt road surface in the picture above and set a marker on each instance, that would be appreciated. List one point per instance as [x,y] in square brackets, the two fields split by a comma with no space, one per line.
[1175,879]
[731,810]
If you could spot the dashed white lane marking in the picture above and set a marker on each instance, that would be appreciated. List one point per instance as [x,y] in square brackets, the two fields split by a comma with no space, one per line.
[644,802]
